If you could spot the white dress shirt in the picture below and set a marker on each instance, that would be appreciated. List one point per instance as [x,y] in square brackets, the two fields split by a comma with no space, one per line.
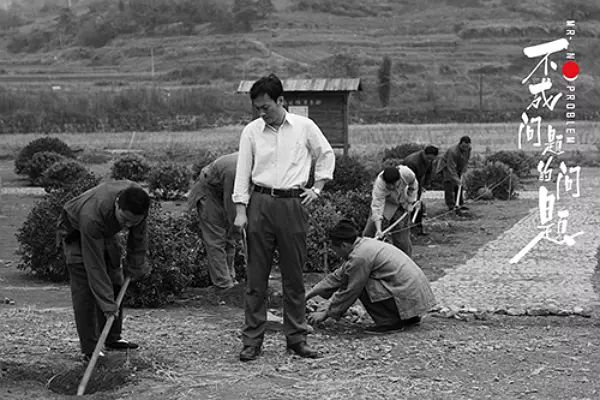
[281,158]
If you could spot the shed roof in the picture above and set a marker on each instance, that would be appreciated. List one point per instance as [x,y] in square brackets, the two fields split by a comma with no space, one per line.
[312,85]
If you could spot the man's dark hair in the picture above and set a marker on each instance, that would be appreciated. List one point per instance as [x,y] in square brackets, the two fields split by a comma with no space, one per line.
[434,151]
[135,200]
[270,85]
[391,175]
[465,139]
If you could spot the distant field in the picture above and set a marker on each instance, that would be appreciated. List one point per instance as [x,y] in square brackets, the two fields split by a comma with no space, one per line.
[364,139]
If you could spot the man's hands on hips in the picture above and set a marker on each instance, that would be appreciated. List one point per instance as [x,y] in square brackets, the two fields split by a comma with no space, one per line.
[309,196]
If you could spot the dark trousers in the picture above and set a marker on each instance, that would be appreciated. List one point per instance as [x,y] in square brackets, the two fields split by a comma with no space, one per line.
[89,318]
[383,312]
[282,223]
[401,232]
[450,194]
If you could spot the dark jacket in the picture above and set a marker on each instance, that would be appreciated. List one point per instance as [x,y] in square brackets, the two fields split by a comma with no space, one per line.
[454,164]
[421,166]
[88,228]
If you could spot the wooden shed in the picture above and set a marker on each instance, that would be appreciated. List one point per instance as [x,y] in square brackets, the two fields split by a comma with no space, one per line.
[325,101]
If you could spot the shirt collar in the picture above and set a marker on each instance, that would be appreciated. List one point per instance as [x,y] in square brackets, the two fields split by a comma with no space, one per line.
[286,119]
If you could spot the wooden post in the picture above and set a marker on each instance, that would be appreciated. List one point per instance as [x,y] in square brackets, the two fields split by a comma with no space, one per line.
[509,183]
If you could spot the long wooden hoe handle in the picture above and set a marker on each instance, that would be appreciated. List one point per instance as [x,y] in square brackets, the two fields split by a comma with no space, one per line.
[90,367]
[389,228]
[459,196]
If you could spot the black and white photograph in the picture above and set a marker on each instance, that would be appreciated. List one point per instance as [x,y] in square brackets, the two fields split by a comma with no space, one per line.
[299,199]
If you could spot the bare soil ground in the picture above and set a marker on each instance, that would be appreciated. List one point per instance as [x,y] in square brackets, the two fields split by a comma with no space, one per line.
[189,350]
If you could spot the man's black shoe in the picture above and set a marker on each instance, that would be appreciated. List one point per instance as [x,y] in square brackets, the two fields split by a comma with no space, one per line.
[303,350]
[250,353]
[464,207]
[121,344]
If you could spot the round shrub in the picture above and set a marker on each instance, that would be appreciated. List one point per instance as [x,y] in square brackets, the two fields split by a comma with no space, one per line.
[63,174]
[402,150]
[169,181]
[492,177]
[40,256]
[176,257]
[201,160]
[130,166]
[349,174]
[521,162]
[25,156]
[40,162]
[324,214]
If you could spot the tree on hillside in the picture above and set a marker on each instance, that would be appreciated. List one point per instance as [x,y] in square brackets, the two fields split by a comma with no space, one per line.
[385,81]
[244,12]
[265,8]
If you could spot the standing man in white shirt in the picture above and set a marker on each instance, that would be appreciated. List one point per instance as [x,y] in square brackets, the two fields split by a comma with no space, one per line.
[275,155]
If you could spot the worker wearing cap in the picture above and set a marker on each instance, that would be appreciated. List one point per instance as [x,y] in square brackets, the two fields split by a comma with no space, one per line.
[392,288]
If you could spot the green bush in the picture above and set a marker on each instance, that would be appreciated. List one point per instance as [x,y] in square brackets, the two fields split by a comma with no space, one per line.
[492,177]
[176,257]
[349,174]
[169,181]
[63,174]
[37,236]
[40,162]
[23,160]
[520,162]
[402,150]
[201,160]
[324,214]
[130,166]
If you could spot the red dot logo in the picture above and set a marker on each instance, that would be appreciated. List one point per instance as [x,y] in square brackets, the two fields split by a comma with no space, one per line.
[570,70]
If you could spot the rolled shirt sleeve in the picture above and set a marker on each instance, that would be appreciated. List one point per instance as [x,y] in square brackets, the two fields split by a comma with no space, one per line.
[378,196]
[92,251]
[322,151]
[412,185]
[243,172]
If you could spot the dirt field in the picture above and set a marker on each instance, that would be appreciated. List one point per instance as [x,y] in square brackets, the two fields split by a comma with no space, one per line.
[189,350]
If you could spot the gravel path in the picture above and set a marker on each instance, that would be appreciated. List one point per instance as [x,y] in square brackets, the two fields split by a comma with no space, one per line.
[550,279]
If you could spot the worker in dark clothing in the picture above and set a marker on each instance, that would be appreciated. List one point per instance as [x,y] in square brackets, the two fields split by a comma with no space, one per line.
[87,228]
[421,163]
[211,196]
[453,166]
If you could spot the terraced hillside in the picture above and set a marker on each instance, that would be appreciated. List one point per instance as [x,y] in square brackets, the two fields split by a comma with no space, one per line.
[450,58]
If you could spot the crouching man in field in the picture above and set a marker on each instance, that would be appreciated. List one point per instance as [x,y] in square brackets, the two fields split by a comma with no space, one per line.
[87,228]
[391,287]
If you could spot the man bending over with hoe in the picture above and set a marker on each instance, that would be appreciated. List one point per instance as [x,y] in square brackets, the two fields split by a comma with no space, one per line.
[87,228]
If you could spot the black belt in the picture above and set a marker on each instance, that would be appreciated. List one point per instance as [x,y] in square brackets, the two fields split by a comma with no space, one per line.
[278,192]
